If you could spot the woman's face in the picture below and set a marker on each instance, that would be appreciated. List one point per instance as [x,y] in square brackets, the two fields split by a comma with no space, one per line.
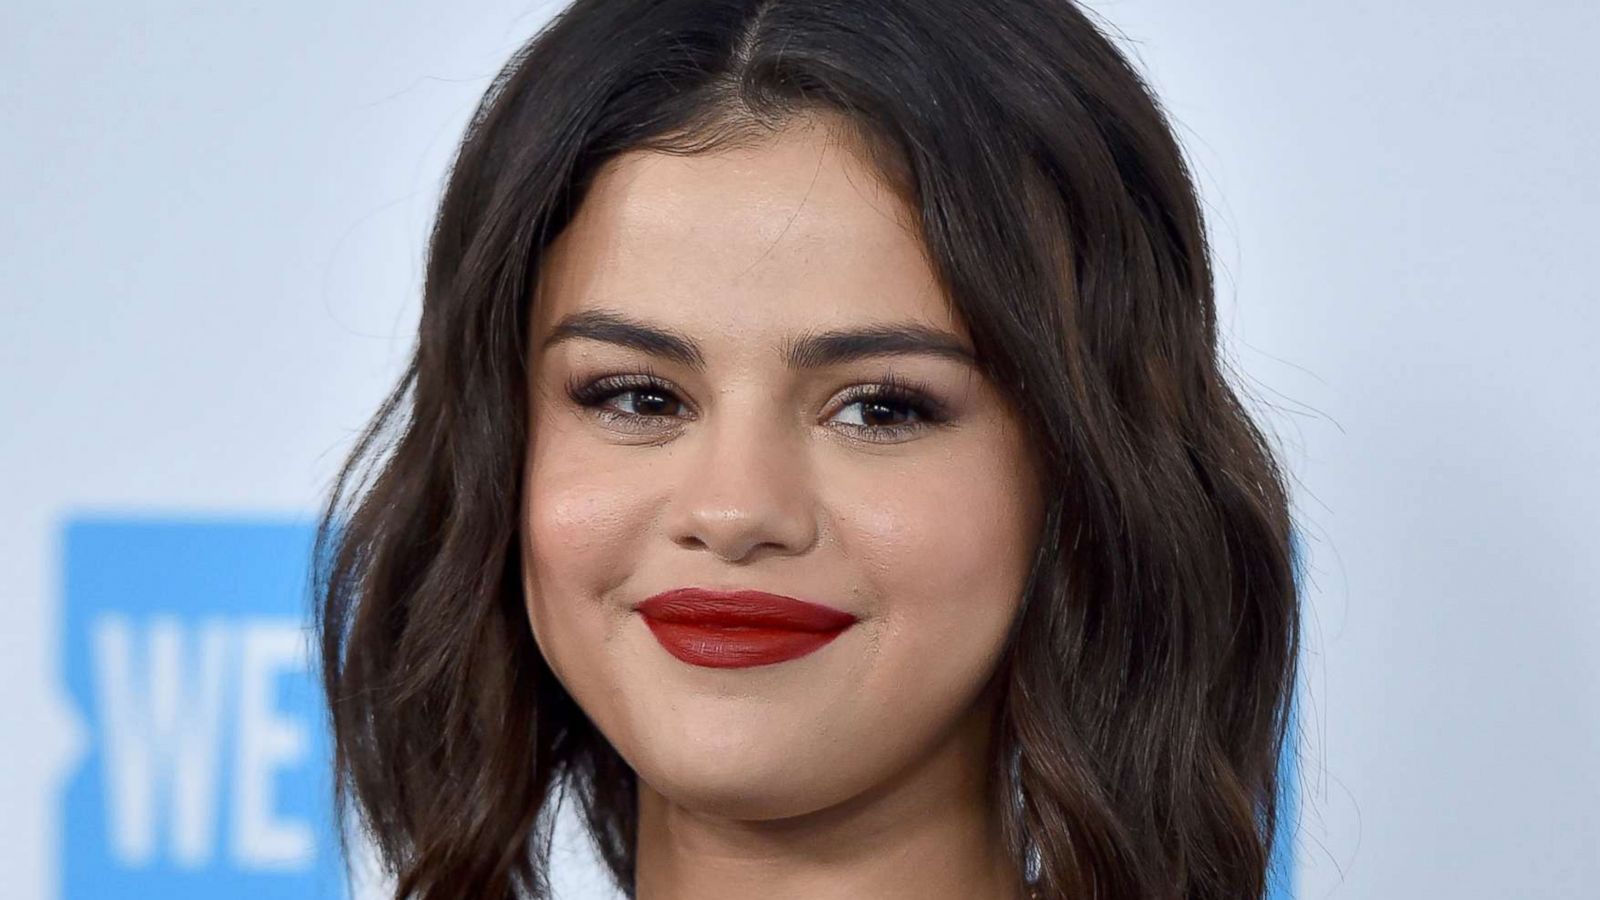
[710,458]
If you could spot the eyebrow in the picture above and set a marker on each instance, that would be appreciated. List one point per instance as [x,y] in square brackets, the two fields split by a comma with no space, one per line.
[809,351]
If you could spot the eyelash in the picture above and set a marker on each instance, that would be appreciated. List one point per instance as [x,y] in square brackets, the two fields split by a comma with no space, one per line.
[894,391]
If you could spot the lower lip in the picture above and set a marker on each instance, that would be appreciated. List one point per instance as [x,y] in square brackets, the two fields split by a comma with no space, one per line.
[736,648]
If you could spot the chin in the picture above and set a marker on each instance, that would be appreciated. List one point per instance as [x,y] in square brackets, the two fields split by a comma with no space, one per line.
[748,800]
[736,783]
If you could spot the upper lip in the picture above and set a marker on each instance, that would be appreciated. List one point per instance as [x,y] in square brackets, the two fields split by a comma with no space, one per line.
[742,608]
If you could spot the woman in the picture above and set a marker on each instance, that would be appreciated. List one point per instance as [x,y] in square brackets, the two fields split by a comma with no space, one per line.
[816,455]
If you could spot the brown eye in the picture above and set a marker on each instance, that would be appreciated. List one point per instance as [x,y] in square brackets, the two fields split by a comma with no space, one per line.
[883,413]
[891,411]
[628,399]
[650,402]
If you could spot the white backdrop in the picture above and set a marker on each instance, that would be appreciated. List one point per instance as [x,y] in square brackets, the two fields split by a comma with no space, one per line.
[213,230]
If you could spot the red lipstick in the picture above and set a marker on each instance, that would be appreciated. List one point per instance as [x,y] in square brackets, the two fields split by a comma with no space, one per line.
[734,629]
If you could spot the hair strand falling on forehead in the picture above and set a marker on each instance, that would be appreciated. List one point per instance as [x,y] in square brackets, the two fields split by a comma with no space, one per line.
[1147,684]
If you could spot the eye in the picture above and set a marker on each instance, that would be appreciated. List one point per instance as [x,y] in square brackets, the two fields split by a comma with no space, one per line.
[629,401]
[886,412]
[890,411]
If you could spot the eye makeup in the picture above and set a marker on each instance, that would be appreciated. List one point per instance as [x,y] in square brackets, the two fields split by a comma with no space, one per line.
[909,401]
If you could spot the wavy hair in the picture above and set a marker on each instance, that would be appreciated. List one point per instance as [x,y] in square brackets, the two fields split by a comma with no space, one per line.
[1148,678]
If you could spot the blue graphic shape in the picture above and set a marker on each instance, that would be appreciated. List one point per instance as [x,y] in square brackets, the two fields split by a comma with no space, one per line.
[188,654]
[1280,870]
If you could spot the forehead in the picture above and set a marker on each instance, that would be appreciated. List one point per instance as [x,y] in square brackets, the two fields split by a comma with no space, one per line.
[798,232]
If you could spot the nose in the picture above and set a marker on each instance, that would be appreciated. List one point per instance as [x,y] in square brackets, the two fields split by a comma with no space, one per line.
[745,489]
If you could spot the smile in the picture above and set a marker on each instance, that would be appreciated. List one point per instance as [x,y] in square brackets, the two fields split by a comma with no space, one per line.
[736,629]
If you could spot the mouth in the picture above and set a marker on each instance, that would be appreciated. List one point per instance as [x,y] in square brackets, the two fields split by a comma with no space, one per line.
[738,629]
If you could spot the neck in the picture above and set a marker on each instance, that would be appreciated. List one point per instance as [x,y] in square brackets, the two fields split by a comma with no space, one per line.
[929,833]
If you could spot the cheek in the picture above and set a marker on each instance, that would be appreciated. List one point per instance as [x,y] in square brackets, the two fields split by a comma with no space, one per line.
[946,545]
[582,525]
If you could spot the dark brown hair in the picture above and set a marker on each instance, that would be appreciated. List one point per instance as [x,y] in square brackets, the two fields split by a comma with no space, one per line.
[1147,683]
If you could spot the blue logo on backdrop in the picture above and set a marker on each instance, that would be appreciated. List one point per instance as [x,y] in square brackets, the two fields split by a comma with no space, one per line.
[188,653]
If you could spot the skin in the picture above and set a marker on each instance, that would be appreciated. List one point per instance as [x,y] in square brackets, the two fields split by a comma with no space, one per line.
[858,770]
